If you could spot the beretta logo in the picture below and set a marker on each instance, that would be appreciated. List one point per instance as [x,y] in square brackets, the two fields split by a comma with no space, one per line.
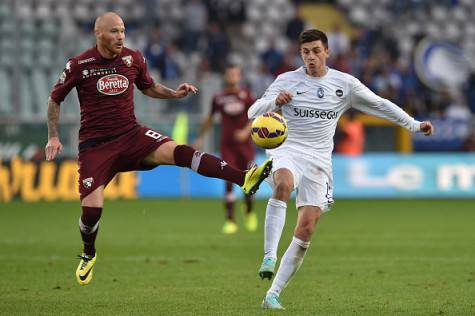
[112,84]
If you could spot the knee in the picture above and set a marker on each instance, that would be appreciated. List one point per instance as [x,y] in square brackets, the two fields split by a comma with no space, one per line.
[282,190]
[306,227]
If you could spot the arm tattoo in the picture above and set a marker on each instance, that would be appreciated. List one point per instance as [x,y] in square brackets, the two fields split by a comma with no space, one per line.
[53,118]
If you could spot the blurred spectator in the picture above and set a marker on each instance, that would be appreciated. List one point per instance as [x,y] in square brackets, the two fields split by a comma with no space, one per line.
[287,63]
[261,81]
[273,58]
[217,49]
[171,63]
[155,48]
[225,11]
[195,19]
[338,42]
[295,26]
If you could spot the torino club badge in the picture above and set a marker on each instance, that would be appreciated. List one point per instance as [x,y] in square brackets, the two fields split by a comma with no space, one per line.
[127,60]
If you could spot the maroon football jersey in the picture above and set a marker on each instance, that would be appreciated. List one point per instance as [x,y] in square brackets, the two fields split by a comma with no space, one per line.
[232,106]
[105,89]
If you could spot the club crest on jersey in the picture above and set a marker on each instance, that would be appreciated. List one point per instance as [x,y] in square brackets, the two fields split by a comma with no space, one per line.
[87,183]
[127,60]
[112,84]
[320,93]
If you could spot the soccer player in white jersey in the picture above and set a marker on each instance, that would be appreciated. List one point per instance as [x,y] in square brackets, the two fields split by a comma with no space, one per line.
[311,99]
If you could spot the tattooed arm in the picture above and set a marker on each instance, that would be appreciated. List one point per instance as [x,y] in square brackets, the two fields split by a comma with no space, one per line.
[54,146]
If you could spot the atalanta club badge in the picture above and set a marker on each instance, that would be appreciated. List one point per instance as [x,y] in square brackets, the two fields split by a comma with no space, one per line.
[127,60]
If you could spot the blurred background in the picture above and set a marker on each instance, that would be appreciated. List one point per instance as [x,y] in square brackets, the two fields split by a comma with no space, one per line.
[419,54]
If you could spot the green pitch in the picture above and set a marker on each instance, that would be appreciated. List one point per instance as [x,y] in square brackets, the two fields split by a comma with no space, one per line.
[168,257]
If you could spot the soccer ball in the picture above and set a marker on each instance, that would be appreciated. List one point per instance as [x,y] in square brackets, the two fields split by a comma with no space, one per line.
[269,130]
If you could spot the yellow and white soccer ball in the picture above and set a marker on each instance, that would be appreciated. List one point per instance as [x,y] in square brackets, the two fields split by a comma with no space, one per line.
[269,130]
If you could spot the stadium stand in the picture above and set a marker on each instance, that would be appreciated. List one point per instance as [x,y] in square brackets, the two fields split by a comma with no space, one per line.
[377,40]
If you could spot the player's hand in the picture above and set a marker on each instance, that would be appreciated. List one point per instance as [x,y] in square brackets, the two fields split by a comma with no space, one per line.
[427,128]
[184,89]
[241,135]
[53,147]
[283,98]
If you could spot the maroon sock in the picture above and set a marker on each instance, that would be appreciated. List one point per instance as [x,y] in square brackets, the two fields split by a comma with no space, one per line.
[229,201]
[88,226]
[207,165]
[248,199]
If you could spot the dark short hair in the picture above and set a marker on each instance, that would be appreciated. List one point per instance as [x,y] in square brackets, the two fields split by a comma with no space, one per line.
[313,35]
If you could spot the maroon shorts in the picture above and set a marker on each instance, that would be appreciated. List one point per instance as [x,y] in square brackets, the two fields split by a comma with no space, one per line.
[238,156]
[99,164]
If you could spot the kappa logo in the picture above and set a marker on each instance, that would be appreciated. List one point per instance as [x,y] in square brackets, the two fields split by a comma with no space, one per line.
[84,61]
[128,60]
[223,164]
[88,182]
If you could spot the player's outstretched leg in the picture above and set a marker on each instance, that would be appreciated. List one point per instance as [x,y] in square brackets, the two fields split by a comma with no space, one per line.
[88,226]
[211,166]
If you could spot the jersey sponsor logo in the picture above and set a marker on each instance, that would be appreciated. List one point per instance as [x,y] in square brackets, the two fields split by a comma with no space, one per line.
[128,60]
[320,93]
[112,84]
[314,113]
[233,108]
[339,92]
[85,61]
[98,72]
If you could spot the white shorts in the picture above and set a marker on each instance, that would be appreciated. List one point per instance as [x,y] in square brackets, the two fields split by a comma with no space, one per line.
[313,184]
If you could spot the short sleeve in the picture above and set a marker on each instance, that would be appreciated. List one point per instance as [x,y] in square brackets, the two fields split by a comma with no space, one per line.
[68,79]
[143,80]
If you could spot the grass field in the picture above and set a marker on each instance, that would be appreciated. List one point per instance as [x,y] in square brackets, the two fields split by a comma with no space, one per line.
[168,257]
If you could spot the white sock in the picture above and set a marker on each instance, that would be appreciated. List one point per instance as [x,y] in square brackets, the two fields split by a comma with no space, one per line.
[275,220]
[291,262]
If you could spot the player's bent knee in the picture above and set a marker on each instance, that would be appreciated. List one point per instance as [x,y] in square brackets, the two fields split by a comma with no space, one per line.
[282,190]
[95,198]
[163,155]
[305,231]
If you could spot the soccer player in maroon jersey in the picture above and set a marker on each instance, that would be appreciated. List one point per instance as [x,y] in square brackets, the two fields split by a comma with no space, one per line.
[236,146]
[110,139]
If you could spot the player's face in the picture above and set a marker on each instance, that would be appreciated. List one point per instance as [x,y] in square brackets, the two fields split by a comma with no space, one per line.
[314,55]
[112,35]
[232,76]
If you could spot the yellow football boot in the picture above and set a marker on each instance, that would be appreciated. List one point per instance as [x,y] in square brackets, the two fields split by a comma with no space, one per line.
[230,227]
[255,176]
[250,221]
[85,269]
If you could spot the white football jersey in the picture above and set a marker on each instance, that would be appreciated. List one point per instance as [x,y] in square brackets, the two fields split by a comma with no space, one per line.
[316,106]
